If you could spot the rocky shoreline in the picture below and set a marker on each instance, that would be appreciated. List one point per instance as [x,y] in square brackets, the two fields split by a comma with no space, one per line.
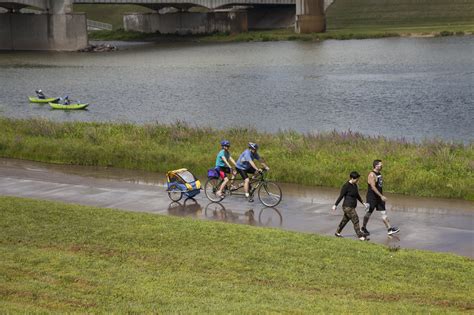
[99,48]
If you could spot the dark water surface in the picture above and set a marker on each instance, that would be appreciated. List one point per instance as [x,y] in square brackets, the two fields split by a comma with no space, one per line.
[399,87]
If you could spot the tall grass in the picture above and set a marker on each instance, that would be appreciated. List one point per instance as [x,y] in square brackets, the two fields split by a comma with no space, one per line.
[431,168]
[387,14]
[59,258]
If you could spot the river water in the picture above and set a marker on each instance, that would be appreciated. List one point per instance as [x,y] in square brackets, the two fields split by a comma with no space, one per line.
[412,88]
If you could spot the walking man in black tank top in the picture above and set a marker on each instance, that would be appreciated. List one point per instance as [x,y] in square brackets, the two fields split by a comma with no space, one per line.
[376,199]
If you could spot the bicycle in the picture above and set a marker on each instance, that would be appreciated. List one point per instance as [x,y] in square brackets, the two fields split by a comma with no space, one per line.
[269,193]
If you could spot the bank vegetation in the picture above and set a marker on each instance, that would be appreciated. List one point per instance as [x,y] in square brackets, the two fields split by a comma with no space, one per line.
[346,19]
[59,258]
[431,168]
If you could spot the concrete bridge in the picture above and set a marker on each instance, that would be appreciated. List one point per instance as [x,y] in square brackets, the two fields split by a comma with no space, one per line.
[59,28]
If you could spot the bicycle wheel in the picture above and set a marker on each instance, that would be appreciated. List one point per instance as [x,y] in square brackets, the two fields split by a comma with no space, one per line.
[175,195]
[270,217]
[210,189]
[269,194]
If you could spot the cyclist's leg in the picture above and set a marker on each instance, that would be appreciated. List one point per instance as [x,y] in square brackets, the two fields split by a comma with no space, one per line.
[248,187]
[233,173]
[245,177]
[225,180]
[252,180]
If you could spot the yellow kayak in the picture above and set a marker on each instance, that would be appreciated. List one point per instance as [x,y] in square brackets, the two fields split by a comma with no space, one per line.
[43,100]
[70,106]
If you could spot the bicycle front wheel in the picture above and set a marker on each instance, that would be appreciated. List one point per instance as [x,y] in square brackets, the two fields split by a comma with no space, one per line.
[269,194]
[210,189]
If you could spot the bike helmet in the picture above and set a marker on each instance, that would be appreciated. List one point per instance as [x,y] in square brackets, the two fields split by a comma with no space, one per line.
[253,146]
[225,143]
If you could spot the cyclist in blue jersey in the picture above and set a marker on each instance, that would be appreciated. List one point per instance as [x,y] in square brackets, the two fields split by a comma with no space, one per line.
[246,165]
[223,161]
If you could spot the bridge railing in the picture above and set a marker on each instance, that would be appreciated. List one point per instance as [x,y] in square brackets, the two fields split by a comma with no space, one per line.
[96,25]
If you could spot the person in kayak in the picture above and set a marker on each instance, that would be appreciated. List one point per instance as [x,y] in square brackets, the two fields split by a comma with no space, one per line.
[66,100]
[40,94]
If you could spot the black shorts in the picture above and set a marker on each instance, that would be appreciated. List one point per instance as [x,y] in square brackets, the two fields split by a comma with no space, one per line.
[244,173]
[376,204]
[223,170]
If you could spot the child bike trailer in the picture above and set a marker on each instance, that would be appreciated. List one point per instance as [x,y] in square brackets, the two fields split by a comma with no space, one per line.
[182,182]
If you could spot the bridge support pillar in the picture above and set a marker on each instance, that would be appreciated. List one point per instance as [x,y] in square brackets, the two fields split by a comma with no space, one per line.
[22,31]
[310,16]
[186,22]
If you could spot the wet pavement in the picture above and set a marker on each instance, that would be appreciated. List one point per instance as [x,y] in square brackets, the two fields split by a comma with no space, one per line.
[442,225]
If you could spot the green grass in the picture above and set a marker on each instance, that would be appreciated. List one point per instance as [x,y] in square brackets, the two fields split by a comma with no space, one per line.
[396,14]
[346,19]
[120,34]
[109,13]
[430,168]
[58,258]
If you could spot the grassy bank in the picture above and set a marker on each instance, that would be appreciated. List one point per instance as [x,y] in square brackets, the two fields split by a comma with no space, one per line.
[60,258]
[346,19]
[399,14]
[109,13]
[283,35]
[431,168]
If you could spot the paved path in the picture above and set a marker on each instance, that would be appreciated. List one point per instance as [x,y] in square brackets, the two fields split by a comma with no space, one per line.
[432,224]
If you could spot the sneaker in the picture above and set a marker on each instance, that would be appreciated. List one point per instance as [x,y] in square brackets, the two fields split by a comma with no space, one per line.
[393,230]
[338,234]
[364,230]
[362,238]
[250,199]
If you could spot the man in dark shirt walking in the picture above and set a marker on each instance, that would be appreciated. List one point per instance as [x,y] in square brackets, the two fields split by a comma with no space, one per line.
[350,193]
[376,199]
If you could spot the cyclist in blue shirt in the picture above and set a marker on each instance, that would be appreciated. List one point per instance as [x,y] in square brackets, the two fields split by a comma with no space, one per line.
[223,161]
[246,165]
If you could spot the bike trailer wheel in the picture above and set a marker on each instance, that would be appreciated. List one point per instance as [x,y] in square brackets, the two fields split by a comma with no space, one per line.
[175,195]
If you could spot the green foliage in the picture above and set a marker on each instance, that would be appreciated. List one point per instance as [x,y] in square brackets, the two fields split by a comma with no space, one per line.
[119,34]
[59,258]
[109,13]
[431,168]
[380,14]
[346,19]
[446,33]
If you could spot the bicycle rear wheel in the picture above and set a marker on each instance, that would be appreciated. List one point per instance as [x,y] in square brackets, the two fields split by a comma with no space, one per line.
[269,194]
[210,189]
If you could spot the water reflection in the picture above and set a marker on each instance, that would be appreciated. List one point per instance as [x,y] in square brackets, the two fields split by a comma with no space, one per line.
[266,216]
[189,208]
[393,243]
